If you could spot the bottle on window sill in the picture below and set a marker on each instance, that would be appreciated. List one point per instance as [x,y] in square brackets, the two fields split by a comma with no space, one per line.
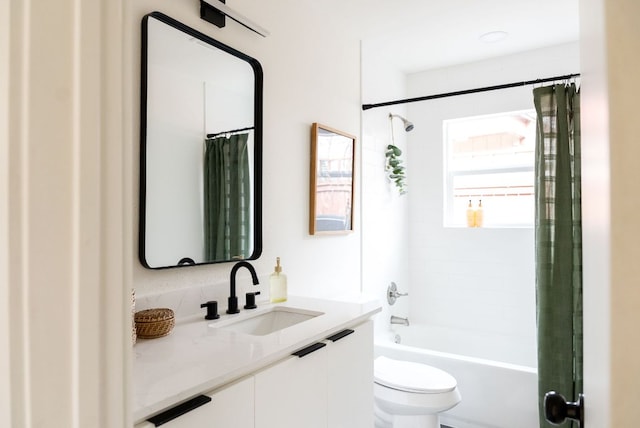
[471,215]
[479,215]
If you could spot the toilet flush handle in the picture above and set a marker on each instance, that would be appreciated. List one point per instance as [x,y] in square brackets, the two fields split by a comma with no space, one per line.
[393,294]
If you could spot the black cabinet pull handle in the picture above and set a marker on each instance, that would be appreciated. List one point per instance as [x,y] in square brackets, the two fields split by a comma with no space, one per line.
[179,410]
[339,335]
[309,349]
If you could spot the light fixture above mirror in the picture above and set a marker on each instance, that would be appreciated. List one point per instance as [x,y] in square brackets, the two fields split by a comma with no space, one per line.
[215,11]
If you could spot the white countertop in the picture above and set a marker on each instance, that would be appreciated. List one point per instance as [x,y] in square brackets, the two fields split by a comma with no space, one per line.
[196,357]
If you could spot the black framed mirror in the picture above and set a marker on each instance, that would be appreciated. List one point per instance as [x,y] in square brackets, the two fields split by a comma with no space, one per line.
[200,148]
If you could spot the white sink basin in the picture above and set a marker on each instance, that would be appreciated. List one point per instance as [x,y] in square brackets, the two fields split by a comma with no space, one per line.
[275,319]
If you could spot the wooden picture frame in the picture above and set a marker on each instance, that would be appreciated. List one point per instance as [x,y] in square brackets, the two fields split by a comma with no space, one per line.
[332,183]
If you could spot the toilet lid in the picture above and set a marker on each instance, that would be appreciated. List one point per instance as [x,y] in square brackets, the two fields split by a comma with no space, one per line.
[412,377]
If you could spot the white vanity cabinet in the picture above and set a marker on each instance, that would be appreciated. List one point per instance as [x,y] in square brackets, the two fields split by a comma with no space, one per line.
[350,381]
[293,392]
[230,406]
[327,387]
[318,375]
[233,406]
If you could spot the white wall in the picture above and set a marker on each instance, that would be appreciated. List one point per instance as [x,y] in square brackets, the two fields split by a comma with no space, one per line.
[174,203]
[478,280]
[384,210]
[311,74]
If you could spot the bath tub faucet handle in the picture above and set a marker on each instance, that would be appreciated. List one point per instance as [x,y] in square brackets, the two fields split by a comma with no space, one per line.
[393,293]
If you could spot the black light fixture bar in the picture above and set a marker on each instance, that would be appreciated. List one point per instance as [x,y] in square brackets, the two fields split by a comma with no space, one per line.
[215,11]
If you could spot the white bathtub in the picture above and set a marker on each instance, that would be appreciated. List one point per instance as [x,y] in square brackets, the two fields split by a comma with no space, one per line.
[495,394]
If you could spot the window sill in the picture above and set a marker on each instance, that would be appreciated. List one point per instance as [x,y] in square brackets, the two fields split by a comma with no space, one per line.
[492,226]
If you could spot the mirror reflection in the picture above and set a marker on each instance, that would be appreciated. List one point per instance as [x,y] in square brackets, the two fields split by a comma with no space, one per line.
[201,148]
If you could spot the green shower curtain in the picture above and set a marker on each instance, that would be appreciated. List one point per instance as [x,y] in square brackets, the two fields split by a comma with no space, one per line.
[227,198]
[558,242]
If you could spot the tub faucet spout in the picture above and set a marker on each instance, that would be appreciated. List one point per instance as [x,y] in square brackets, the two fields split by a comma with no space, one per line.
[399,320]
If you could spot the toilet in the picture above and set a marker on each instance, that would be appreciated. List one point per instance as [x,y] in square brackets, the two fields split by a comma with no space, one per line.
[411,395]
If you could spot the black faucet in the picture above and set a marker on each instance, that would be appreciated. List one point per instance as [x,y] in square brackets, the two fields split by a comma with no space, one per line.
[233,299]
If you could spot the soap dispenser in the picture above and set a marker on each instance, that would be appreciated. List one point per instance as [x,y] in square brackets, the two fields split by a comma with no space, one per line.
[278,284]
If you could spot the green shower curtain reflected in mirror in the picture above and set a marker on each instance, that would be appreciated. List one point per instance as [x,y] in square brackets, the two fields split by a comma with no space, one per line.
[558,241]
[227,197]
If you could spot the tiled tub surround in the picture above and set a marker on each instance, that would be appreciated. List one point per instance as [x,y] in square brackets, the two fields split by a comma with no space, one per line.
[198,357]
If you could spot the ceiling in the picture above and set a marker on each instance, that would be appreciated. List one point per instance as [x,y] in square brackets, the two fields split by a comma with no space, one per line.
[418,35]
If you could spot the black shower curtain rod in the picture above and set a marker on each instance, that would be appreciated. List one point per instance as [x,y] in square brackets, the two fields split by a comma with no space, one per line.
[233,131]
[469,91]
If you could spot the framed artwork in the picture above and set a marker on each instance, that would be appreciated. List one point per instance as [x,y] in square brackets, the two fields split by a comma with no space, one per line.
[332,181]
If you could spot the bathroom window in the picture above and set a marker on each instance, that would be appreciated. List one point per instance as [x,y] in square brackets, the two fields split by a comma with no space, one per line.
[490,160]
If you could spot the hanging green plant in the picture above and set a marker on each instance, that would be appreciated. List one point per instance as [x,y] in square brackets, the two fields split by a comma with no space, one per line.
[394,168]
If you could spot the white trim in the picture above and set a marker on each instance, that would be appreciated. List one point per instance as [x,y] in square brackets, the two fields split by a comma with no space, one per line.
[610,40]
[5,372]
[68,216]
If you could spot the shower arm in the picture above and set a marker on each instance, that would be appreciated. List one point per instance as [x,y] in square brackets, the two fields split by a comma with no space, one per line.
[393,293]
[408,125]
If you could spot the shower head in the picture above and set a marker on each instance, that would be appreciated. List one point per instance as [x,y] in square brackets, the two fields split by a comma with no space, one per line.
[408,126]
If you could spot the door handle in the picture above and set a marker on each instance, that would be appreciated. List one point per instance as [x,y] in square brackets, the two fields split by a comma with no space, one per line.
[557,409]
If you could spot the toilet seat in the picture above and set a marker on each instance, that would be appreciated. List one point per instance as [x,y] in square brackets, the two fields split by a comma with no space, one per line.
[412,377]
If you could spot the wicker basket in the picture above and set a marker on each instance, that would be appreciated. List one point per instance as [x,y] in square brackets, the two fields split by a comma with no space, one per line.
[152,323]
